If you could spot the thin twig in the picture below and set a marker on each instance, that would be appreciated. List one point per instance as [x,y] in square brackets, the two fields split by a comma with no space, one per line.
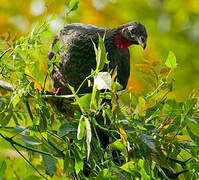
[5,52]
[29,110]
[22,146]
[161,84]
[54,147]
[28,162]
[7,86]
[43,88]
[84,82]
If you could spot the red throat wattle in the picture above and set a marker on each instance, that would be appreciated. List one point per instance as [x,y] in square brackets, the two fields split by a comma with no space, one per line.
[122,43]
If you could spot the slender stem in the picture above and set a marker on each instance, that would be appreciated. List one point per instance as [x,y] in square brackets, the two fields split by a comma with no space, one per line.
[96,134]
[42,91]
[28,162]
[29,110]
[7,86]
[12,142]
[161,84]
[54,147]
[5,52]
[84,81]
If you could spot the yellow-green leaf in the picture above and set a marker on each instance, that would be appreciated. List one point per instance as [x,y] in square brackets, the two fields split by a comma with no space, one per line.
[171,60]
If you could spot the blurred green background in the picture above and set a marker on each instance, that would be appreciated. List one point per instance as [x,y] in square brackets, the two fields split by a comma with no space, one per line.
[171,25]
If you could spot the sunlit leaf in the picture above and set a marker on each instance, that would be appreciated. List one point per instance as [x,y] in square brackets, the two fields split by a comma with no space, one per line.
[103,81]
[78,161]
[19,129]
[73,5]
[129,167]
[105,174]
[88,137]
[17,97]
[85,101]
[118,145]
[6,119]
[81,128]
[53,17]
[171,60]
[94,98]
[30,140]
[56,47]
[141,106]
[194,126]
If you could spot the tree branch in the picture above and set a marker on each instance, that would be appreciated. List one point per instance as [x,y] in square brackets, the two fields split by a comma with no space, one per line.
[7,86]
[28,162]
[12,142]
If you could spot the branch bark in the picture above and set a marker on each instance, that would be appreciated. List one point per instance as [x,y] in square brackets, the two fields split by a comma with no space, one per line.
[7,86]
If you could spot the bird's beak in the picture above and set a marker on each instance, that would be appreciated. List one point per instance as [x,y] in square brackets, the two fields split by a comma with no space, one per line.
[142,42]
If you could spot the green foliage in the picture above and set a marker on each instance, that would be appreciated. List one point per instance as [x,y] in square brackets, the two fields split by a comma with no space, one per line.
[150,136]
[171,60]
[73,5]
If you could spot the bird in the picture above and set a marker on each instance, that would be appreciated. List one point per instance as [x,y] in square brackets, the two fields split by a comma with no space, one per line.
[73,49]
[77,58]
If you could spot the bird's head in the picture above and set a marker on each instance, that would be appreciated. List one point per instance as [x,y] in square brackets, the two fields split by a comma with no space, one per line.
[131,33]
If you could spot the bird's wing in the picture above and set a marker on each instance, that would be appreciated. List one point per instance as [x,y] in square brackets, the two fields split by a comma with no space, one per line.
[77,57]
[78,34]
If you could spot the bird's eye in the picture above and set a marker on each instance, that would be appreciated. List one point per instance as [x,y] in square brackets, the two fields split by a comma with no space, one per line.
[133,30]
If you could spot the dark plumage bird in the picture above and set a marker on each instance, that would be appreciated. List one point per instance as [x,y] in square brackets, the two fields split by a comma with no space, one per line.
[77,60]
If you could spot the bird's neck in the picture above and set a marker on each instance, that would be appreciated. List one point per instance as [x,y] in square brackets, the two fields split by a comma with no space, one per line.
[121,42]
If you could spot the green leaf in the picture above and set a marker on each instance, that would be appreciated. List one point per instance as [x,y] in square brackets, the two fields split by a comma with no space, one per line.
[88,136]
[66,161]
[46,32]
[56,47]
[18,129]
[30,140]
[103,81]
[17,97]
[76,97]
[118,145]
[85,101]
[171,60]
[129,167]
[147,140]
[79,164]
[105,174]
[50,165]
[141,106]
[53,17]
[193,125]
[6,119]
[94,98]
[63,48]
[67,128]
[3,167]
[192,135]
[32,34]
[73,5]
[100,53]
[81,128]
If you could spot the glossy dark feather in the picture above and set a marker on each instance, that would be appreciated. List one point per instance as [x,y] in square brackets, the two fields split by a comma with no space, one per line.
[78,59]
